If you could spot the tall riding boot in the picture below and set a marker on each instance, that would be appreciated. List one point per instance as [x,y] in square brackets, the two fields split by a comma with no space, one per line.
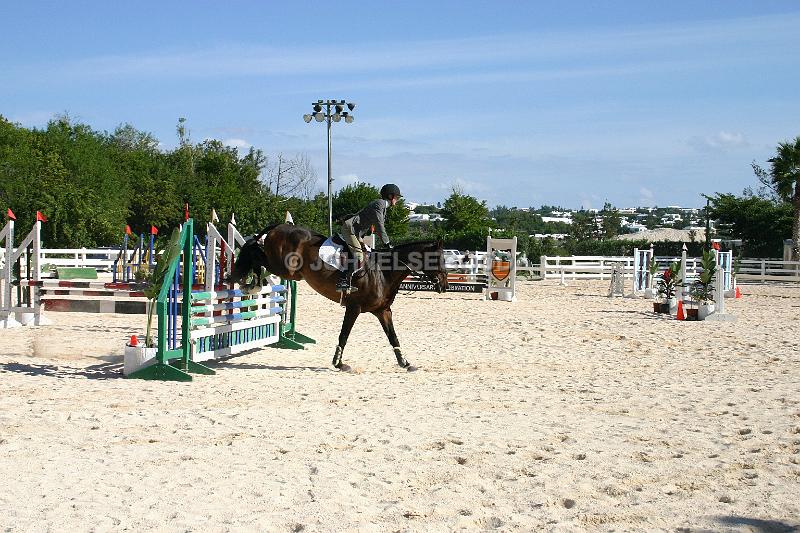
[343,283]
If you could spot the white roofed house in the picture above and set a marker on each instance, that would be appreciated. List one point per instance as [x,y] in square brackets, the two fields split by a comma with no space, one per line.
[565,220]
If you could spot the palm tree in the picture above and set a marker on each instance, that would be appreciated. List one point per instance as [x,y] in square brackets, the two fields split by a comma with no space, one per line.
[784,178]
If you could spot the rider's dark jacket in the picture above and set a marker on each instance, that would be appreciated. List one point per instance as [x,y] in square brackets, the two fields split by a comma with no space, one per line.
[374,214]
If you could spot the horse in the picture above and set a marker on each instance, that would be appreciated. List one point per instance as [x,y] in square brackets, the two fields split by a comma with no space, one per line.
[292,252]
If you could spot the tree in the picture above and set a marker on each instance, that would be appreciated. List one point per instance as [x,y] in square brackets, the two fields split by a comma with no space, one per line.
[350,199]
[465,213]
[612,221]
[583,227]
[519,220]
[761,223]
[291,176]
[426,209]
[783,177]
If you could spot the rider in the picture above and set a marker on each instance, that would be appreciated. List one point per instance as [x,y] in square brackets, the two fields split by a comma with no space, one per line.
[355,227]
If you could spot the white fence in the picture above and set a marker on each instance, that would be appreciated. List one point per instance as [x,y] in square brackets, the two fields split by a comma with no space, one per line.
[768,270]
[567,267]
[598,267]
[100,258]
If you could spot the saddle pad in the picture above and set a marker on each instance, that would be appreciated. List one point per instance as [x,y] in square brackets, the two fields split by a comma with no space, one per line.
[331,254]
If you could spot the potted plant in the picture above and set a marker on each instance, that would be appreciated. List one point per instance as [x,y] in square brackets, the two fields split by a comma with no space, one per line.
[691,311]
[702,289]
[666,288]
[141,355]
[690,306]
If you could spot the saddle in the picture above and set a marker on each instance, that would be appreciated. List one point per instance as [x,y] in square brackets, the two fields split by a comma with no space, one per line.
[335,252]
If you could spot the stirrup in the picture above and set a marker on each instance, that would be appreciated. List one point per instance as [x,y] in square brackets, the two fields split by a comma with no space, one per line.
[345,283]
[346,288]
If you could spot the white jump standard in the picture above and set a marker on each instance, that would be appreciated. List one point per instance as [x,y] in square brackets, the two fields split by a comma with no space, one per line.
[501,275]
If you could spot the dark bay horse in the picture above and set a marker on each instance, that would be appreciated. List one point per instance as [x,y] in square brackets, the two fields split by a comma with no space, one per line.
[292,252]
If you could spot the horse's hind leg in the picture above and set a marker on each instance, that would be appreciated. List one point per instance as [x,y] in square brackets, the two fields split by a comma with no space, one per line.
[350,315]
[385,318]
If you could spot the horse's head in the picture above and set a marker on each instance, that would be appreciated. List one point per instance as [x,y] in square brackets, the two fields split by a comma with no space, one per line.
[250,266]
[438,272]
[427,260]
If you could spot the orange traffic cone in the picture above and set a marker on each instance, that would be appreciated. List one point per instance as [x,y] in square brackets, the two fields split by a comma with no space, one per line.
[680,315]
[738,292]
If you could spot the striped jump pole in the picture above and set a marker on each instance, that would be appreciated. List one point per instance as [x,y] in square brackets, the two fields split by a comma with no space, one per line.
[216,323]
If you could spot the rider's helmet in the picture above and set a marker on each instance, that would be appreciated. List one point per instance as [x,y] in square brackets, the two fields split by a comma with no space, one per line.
[390,189]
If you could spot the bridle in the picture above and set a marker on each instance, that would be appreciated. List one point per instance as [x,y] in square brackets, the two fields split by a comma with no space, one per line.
[432,277]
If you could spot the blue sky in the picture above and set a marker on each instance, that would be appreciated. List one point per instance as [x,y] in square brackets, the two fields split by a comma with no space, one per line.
[565,103]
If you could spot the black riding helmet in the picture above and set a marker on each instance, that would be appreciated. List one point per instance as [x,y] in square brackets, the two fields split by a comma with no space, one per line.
[390,189]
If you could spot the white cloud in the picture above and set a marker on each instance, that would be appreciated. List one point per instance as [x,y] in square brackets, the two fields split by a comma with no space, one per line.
[344,180]
[465,186]
[240,144]
[730,139]
[521,50]
[646,196]
[724,140]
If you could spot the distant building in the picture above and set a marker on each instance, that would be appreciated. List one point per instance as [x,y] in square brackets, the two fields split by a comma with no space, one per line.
[636,227]
[424,217]
[556,236]
[565,220]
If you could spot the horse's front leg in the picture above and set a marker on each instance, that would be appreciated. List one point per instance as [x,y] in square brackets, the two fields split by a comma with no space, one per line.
[385,318]
[350,315]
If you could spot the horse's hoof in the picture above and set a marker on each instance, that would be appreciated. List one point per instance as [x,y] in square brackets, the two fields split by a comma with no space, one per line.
[345,368]
[411,368]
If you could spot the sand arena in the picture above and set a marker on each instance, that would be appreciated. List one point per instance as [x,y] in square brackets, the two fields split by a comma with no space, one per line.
[566,410]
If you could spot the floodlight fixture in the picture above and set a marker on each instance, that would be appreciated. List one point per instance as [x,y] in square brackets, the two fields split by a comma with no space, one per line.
[330,115]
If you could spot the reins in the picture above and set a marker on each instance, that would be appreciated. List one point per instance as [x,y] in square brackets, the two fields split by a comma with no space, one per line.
[421,273]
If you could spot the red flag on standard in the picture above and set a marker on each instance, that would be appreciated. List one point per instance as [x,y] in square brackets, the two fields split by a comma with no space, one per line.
[128,230]
[10,214]
[40,217]
[153,230]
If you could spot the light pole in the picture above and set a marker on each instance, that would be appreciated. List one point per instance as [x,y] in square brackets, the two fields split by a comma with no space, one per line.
[338,114]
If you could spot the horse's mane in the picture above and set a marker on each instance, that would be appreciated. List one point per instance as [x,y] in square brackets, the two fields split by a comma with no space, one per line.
[414,245]
[404,251]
